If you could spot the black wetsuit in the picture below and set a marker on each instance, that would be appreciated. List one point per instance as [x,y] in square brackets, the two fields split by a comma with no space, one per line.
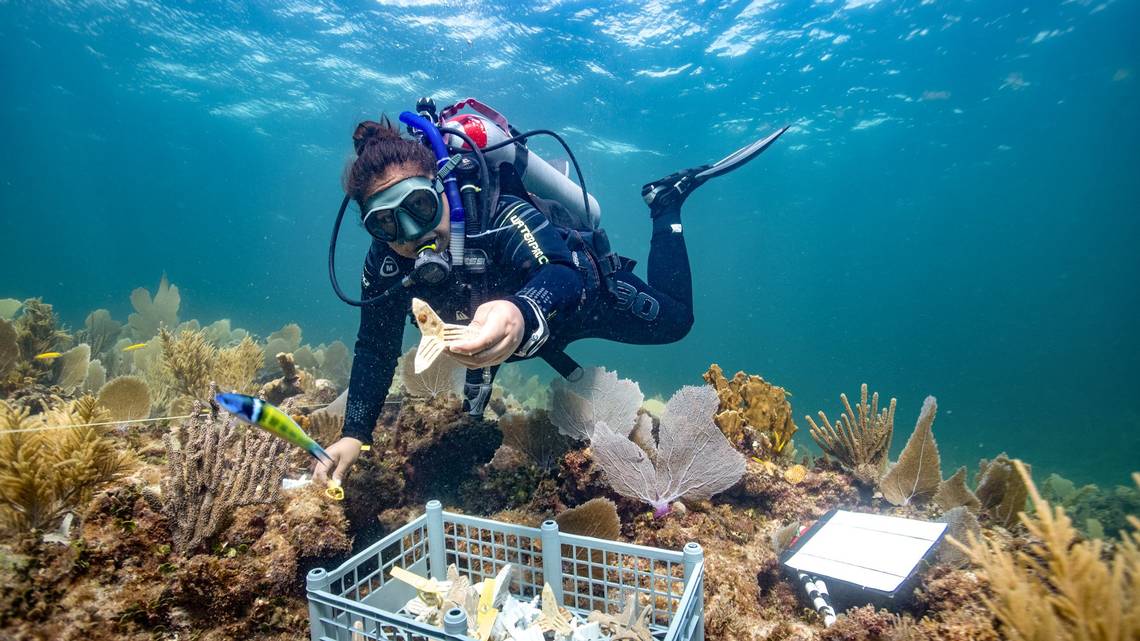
[553,279]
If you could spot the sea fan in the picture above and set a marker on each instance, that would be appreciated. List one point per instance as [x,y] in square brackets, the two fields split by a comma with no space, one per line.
[694,459]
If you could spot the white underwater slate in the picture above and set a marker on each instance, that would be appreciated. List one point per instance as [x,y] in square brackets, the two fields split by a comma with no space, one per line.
[871,550]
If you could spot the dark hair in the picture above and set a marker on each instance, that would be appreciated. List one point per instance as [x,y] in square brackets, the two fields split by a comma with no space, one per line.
[379,146]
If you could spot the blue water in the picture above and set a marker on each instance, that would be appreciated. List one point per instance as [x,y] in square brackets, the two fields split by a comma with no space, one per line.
[954,211]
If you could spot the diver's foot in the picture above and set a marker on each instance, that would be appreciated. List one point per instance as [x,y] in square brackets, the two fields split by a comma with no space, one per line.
[672,190]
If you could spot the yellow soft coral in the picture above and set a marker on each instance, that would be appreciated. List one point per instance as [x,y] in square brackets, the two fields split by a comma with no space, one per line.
[237,366]
[754,414]
[190,359]
[45,473]
[1061,588]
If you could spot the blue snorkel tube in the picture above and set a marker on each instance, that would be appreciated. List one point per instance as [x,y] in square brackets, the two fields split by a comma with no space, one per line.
[458,215]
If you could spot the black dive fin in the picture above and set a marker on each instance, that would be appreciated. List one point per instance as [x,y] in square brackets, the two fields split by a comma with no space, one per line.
[672,190]
[738,157]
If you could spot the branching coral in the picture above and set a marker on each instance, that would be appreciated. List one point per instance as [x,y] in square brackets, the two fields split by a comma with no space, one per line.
[753,413]
[45,473]
[237,366]
[859,443]
[215,466]
[152,314]
[1061,588]
[323,427]
[190,359]
[37,331]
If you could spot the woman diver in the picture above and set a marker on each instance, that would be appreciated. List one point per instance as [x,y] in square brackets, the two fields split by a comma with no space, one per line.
[543,285]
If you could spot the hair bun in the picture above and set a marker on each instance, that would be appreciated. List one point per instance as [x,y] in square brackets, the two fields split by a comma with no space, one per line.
[370,130]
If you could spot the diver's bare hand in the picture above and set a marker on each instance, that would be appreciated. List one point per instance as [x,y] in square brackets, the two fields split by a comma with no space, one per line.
[499,331]
[343,453]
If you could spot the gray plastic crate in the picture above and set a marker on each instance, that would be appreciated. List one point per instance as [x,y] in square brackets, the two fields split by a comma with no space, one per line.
[360,601]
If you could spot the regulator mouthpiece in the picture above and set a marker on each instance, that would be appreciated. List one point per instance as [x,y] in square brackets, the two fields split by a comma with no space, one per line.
[431,267]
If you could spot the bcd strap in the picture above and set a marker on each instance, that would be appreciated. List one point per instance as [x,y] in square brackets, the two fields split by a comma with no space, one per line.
[561,362]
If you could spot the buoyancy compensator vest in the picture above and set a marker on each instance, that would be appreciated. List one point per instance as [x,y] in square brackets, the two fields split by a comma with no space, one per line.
[521,172]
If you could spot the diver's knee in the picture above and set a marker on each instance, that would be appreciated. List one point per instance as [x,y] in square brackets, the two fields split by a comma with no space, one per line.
[679,328]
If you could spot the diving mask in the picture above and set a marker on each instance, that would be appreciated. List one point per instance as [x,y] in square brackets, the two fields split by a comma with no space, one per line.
[405,211]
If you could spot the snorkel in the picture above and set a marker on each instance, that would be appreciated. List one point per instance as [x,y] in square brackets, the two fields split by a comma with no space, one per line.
[454,203]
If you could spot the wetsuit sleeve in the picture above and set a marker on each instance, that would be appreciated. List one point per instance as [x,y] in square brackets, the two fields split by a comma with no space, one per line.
[530,243]
[377,348]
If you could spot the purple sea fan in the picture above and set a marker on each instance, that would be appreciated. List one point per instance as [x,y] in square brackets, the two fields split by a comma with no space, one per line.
[694,459]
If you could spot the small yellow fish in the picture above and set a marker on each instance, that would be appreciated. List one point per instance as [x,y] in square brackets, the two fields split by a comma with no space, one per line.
[131,348]
[47,356]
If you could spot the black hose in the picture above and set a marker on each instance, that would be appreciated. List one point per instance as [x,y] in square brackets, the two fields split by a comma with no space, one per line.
[332,266]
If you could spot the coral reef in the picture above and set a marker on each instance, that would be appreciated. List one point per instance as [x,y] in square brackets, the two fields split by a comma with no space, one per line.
[38,332]
[819,491]
[1061,587]
[201,542]
[216,465]
[293,381]
[860,443]
[285,340]
[754,414]
[1092,508]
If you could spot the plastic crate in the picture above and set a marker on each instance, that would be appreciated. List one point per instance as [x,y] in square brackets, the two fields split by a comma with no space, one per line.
[360,601]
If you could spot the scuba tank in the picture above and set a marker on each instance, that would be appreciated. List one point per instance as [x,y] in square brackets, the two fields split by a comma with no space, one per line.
[490,131]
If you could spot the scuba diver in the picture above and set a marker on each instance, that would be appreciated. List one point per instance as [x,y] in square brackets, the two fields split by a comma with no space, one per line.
[521,257]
